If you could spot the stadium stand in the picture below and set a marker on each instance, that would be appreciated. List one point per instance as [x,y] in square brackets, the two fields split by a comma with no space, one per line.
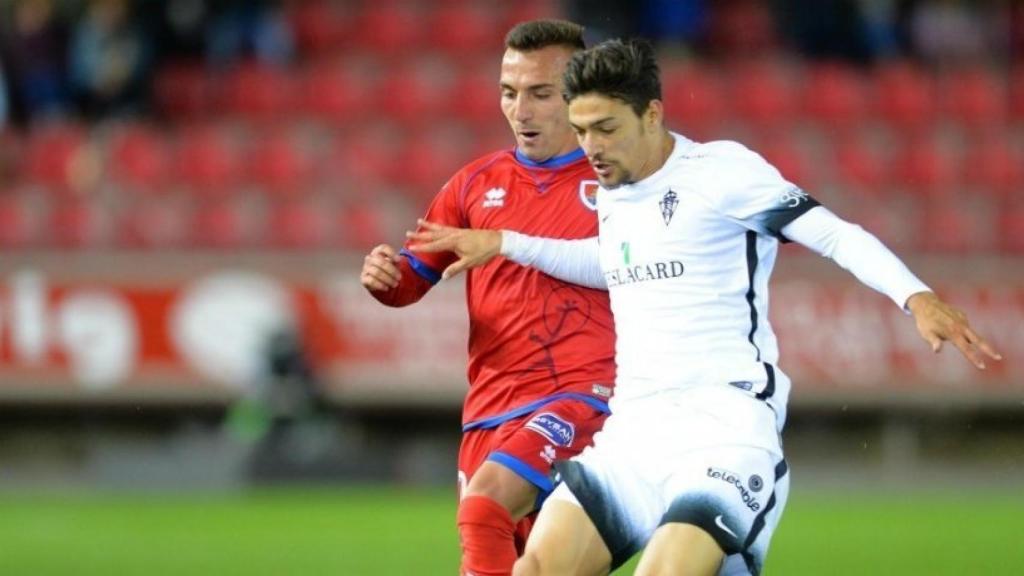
[293,133]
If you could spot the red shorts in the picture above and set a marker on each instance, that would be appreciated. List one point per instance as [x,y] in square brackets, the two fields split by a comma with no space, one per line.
[528,445]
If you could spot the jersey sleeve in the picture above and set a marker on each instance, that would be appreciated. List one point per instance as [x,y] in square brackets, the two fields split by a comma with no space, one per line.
[445,209]
[573,261]
[859,252]
[745,187]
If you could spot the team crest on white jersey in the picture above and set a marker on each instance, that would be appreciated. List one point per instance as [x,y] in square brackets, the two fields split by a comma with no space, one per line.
[793,197]
[668,205]
[588,193]
[494,198]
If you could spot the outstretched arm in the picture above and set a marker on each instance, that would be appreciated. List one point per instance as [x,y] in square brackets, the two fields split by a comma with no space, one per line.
[574,261]
[872,263]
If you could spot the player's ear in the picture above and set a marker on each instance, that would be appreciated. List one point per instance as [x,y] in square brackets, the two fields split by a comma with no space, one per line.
[654,115]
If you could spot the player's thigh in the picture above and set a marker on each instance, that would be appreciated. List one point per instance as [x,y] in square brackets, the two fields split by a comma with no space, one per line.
[506,487]
[529,446]
[564,541]
[681,550]
[736,495]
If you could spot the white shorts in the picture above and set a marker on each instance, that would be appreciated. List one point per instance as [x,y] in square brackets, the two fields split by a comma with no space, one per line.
[689,457]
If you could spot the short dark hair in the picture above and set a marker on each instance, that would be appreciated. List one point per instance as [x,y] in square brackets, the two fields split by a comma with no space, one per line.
[537,34]
[625,70]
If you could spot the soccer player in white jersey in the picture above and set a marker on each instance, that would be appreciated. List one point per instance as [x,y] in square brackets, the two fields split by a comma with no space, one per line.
[690,462]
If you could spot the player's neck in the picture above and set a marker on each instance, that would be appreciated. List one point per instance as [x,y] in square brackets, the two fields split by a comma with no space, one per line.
[659,154]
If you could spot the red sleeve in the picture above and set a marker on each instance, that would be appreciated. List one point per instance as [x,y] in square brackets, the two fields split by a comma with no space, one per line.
[445,209]
[409,290]
[421,270]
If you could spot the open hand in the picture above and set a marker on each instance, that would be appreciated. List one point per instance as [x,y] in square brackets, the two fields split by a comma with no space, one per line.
[473,247]
[937,322]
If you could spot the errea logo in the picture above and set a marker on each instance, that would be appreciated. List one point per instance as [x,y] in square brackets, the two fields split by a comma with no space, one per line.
[494,198]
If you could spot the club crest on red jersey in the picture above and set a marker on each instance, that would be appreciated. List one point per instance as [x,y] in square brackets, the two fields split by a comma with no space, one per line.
[588,193]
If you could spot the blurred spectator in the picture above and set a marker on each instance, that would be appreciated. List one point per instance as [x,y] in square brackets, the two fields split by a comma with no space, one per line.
[34,45]
[832,29]
[110,59]
[673,21]
[881,22]
[603,19]
[182,29]
[255,28]
[947,33]
[4,105]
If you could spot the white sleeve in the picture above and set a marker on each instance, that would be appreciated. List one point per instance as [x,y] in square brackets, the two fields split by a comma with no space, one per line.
[573,261]
[744,187]
[856,250]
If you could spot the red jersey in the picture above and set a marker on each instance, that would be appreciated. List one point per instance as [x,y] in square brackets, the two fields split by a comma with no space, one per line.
[532,338]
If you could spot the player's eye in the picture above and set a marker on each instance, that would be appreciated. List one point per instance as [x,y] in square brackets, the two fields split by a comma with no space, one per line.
[508,94]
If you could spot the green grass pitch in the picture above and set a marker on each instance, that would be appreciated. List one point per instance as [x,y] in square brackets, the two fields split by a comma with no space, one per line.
[391,531]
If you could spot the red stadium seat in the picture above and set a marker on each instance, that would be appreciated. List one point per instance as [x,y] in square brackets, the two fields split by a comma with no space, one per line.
[896,221]
[139,159]
[360,226]
[861,165]
[429,159]
[318,27]
[462,29]
[525,10]
[995,165]
[55,154]
[790,160]
[332,93]
[154,223]
[975,98]
[694,100]
[1011,228]
[182,91]
[835,96]
[222,224]
[78,223]
[363,158]
[476,96]
[206,161]
[954,228]
[926,167]
[300,224]
[762,94]
[491,138]
[17,228]
[259,92]
[416,92]
[905,96]
[1017,94]
[280,164]
[388,27]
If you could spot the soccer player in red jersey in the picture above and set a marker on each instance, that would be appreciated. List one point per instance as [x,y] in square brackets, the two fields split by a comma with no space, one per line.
[541,352]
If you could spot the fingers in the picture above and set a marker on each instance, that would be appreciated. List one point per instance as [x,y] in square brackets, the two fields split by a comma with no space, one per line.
[430,237]
[458,267]
[982,344]
[380,270]
[968,351]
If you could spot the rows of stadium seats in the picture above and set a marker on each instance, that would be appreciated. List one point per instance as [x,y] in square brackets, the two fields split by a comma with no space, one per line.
[344,89]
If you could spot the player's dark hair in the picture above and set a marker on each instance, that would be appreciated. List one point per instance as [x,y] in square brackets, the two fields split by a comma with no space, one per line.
[625,70]
[537,34]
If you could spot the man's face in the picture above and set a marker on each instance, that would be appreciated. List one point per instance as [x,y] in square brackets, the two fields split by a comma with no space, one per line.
[620,145]
[531,99]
